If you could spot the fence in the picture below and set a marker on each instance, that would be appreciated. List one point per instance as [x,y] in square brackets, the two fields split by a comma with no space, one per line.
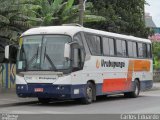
[156,76]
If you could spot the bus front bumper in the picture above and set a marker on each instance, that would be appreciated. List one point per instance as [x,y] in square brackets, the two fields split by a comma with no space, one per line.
[50,91]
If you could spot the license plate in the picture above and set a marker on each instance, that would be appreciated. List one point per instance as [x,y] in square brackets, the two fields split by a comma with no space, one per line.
[38,90]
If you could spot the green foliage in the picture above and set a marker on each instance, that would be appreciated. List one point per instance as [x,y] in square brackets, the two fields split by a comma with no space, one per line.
[122,16]
[57,12]
[15,17]
[156,55]
[54,12]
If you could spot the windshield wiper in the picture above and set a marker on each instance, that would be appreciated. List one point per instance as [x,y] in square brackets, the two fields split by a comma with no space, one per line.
[49,59]
[35,56]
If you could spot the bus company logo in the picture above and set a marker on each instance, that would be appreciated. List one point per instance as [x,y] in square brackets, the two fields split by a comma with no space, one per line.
[112,64]
[109,63]
[97,64]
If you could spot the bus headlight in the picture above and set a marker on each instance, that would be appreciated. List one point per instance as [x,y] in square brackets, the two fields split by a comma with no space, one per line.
[22,87]
[60,88]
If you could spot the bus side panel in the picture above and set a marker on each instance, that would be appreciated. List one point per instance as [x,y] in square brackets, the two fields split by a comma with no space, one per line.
[143,70]
[111,76]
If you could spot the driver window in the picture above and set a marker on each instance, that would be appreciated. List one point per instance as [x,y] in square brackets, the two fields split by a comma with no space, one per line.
[81,53]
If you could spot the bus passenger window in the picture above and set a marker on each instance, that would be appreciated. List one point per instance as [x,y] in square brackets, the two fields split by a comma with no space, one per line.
[94,44]
[134,49]
[111,48]
[149,54]
[140,50]
[144,50]
[106,46]
[124,51]
[130,48]
[119,48]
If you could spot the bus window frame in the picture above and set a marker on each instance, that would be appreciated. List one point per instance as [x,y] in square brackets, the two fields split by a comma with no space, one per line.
[114,39]
[88,43]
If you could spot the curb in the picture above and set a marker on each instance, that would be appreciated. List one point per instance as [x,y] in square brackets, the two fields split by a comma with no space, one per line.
[4,90]
[156,86]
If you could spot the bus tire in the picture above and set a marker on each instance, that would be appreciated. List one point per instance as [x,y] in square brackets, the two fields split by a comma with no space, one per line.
[44,100]
[102,97]
[136,91]
[89,94]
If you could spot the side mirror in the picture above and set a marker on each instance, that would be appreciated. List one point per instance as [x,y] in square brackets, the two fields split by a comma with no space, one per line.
[67,50]
[11,53]
[7,52]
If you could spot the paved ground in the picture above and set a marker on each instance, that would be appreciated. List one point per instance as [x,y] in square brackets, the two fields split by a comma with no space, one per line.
[148,102]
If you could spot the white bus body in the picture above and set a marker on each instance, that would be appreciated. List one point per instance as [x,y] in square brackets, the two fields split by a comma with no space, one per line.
[100,63]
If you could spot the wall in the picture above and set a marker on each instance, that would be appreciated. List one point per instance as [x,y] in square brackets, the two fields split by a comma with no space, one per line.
[7,76]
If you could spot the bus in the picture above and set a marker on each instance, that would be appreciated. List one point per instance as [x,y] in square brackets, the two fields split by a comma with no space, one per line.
[73,62]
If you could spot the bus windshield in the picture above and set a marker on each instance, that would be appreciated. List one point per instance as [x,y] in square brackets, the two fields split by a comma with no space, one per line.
[43,52]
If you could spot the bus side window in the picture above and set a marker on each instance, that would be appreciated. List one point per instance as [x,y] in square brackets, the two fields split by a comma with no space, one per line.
[111,48]
[94,44]
[144,50]
[135,49]
[149,54]
[130,48]
[140,50]
[119,47]
[106,46]
[124,49]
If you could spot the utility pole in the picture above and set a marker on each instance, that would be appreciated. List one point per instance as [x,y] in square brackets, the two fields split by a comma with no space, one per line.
[81,11]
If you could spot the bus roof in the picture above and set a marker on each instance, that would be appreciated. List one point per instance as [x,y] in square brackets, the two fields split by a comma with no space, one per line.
[71,30]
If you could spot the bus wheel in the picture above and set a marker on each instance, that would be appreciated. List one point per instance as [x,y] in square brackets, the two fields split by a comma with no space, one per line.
[89,92]
[136,91]
[44,100]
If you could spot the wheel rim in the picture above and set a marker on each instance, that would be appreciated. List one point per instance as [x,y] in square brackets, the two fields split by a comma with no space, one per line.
[89,93]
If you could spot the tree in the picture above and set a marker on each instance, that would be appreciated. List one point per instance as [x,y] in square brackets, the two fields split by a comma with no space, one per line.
[156,55]
[53,12]
[57,12]
[15,17]
[122,16]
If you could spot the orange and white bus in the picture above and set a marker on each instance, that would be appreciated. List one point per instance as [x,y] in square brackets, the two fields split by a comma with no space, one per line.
[74,62]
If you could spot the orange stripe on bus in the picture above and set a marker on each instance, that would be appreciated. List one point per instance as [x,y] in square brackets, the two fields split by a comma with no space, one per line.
[116,84]
[120,84]
[142,65]
[129,74]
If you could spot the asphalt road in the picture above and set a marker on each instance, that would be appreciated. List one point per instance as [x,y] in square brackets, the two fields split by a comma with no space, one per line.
[147,102]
